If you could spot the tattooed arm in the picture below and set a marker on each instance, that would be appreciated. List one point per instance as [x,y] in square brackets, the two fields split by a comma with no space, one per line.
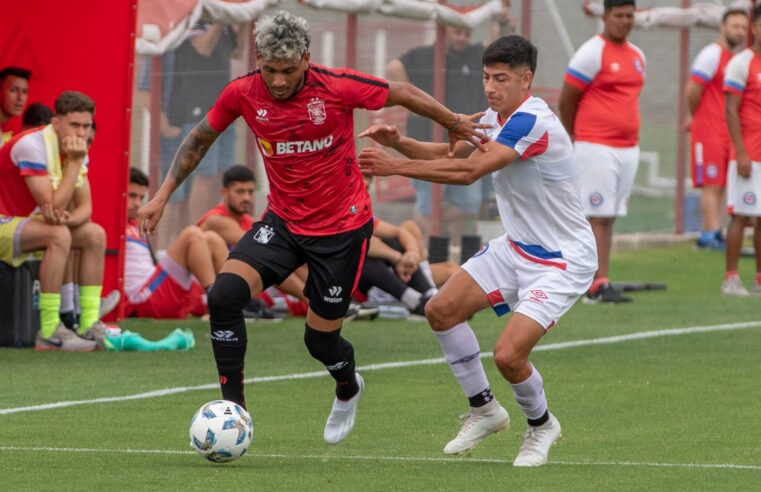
[188,156]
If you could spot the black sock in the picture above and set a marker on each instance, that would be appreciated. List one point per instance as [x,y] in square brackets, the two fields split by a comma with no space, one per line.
[541,420]
[481,398]
[337,354]
[69,319]
[228,333]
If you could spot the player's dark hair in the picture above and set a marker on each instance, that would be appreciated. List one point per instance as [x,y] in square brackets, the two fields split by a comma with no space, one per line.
[74,102]
[756,12]
[36,114]
[512,50]
[730,12]
[609,4]
[138,177]
[237,174]
[22,73]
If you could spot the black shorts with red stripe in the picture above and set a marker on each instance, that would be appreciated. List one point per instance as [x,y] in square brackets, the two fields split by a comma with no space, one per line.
[335,261]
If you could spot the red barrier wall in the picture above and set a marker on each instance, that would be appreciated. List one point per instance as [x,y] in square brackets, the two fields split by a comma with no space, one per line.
[84,45]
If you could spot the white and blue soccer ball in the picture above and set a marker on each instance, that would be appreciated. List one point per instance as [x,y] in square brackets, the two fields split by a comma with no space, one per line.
[221,431]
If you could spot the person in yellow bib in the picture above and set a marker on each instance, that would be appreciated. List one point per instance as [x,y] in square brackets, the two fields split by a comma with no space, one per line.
[45,205]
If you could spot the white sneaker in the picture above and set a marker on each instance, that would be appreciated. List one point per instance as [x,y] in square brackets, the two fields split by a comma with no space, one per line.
[109,303]
[98,331]
[537,442]
[341,419]
[733,286]
[63,339]
[476,425]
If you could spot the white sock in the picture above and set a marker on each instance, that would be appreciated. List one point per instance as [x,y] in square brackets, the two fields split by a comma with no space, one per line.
[67,297]
[463,354]
[425,267]
[411,298]
[76,299]
[530,395]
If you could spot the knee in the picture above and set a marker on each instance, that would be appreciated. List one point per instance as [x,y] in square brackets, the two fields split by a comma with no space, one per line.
[94,235]
[509,360]
[192,233]
[440,313]
[59,239]
[214,240]
[325,346]
[228,296]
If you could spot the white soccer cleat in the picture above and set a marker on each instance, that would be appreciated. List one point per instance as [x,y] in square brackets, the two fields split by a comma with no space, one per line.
[474,427]
[733,286]
[64,340]
[342,415]
[537,442]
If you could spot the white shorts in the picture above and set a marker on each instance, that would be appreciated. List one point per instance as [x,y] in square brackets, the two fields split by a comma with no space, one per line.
[607,178]
[743,193]
[543,292]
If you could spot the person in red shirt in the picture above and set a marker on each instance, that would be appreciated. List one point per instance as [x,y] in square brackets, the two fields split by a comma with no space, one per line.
[14,92]
[599,107]
[709,137]
[319,211]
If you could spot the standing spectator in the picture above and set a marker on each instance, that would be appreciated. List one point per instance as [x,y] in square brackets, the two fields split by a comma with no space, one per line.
[14,92]
[319,211]
[46,169]
[200,70]
[599,107]
[742,84]
[709,138]
[464,94]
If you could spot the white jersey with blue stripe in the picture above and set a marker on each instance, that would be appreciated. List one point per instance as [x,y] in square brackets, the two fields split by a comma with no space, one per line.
[538,195]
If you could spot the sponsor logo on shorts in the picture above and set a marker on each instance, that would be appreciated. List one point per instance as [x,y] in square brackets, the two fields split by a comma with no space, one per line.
[538,296]
[264,234]
[749,198]
[596,199]
[712,170]
[334,298]
[224,336]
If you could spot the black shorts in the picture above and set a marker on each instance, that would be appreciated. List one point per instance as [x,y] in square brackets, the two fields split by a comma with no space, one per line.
[334,261]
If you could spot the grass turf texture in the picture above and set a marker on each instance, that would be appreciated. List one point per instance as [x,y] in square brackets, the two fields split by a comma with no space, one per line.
[689,399]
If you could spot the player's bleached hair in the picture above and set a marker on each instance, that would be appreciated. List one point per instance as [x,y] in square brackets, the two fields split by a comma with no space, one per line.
[282,37]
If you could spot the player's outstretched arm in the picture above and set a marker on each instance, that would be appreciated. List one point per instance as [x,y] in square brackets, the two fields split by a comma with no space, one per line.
[446,171]
[188,156]
[389,136]
[460,127]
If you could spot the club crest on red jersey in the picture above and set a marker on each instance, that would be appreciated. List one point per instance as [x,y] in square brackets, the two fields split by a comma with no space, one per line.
[317,112]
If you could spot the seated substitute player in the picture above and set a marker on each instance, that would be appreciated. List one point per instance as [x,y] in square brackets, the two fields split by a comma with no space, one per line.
[542,264]
[742,85]
[319,211]
[45,168]
[177,285]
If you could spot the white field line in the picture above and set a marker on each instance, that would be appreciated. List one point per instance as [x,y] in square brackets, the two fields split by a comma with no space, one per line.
[388,365]
[419,459]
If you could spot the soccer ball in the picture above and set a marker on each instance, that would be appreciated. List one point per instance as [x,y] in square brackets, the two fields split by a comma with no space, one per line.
[221,431]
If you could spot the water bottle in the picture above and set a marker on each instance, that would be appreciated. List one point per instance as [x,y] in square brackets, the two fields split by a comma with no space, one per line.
[390,311]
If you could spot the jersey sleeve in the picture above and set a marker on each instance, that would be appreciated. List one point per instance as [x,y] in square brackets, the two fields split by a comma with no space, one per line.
[706,64]
[736,75]
[226,108]
[361,90]
[30,159]
[585,64]
[524,134]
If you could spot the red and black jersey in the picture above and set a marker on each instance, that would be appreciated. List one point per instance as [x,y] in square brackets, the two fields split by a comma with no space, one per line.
[307,142]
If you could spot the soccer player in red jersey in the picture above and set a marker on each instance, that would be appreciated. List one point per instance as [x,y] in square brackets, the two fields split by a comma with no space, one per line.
[710,143]
[599,107]
[318,211]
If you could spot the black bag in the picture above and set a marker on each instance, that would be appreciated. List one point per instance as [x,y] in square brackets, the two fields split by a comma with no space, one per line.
[19,304]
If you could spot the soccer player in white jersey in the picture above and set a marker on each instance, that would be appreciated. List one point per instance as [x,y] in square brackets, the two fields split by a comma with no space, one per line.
[542,264]
[742,85]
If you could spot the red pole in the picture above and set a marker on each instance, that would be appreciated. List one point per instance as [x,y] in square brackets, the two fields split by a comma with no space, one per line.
[351,41]
[439,93]
[526,19]
[157,91]
[681,144]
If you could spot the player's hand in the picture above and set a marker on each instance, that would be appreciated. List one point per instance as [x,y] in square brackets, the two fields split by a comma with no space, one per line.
[687,123]
[74,147]
[386,135]
[466,129]
[744,165]
[148,215]
[376,162]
